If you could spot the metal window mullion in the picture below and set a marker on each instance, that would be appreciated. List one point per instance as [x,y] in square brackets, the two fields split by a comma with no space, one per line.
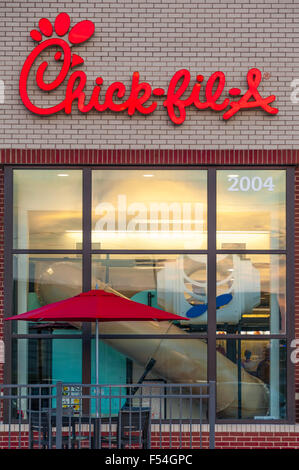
[45,336]
[8,279]
[86,271]
[211,274]
[111,336]
[251,252]
[248,337]
[148,252]
[290,289]
[22,251]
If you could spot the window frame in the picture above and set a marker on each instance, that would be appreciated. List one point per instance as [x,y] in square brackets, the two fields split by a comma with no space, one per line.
[211,253]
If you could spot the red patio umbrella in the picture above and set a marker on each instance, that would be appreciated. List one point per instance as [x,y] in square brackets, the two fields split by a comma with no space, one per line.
[94,306]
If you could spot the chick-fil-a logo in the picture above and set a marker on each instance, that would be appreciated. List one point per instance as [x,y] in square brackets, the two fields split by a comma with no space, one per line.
[141,95]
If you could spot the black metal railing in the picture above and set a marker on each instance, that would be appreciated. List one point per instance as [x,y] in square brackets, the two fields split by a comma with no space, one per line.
[148,415]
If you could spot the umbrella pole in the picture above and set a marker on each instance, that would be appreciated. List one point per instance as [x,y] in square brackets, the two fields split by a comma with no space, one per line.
[97,366]
[97,352]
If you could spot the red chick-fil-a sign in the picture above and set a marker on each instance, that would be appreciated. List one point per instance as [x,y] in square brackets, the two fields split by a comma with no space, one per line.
[141,96]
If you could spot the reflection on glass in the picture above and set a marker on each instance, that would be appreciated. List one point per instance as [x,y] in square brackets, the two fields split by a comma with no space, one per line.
[45,361]
[40,280]
[47,209]
[251,210]
[121,362]
[173,361]
[149,210]
[174,283]
[43,279]
[49,360]
[251,293]
[251,379]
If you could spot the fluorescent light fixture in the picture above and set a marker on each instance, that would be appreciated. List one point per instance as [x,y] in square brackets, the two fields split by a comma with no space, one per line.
[63,174]
[148,176]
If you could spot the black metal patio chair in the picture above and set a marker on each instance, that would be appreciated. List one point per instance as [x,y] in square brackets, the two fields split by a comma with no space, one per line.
[41,424]
[133,428]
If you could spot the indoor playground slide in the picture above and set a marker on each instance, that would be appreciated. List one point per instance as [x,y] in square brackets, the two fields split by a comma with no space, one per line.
[177,361]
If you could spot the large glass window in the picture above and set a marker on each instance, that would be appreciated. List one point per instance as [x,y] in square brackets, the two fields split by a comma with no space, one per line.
[251,293]
[208,244]
[39,280]
[47,209]
[142,209]
[251,211]
[251,379]
[176,283]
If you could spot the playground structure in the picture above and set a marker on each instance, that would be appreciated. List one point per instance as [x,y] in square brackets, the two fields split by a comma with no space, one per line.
[182,360]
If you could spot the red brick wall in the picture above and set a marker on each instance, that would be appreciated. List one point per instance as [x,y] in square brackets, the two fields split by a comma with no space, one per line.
[260,440]
[223,440]
[16,440]
[170,157]
[149,157]
[231,440]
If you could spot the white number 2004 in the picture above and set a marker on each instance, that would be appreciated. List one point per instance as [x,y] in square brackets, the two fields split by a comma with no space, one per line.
[255,183]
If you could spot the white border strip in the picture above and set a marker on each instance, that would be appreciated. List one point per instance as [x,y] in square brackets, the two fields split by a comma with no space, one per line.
[241,428]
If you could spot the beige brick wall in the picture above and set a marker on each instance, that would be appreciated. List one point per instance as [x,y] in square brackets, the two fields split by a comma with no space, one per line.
[157,38]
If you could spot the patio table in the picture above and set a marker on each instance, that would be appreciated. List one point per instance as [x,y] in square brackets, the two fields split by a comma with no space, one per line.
[94,422]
